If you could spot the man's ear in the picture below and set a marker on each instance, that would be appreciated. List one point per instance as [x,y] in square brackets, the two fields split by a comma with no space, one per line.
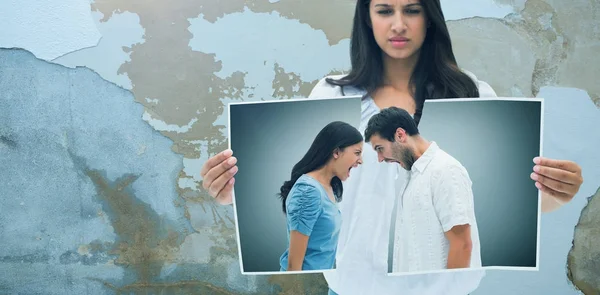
[400,135]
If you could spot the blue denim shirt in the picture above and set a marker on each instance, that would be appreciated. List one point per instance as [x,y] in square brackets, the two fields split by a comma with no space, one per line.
[311,212]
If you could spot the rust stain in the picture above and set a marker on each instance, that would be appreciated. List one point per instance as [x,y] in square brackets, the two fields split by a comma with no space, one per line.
[93,253]
[144,242]
[298,284]
[583,260]
[183,287]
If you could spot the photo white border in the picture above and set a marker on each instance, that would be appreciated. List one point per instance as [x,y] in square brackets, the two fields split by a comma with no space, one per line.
[539,211]
[237,229]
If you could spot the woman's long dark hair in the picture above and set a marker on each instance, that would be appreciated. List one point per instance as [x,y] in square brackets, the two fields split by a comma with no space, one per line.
[335,136]
[436,73]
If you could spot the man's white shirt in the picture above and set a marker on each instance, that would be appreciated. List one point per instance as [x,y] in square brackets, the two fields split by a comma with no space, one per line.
[438,197]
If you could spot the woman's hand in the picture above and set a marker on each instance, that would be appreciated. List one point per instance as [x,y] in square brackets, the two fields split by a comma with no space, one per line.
[217,176]
[559,181]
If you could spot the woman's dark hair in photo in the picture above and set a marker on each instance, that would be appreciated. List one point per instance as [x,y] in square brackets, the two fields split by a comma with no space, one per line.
[335,136]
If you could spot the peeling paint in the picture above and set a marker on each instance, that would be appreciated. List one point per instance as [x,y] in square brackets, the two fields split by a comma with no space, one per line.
[118,34]
[303,10]
[290,85]
[47,28]
[546,40]
[509,75]
[162,126]
[580,24]
[583,262]
[540,31]
[462,9]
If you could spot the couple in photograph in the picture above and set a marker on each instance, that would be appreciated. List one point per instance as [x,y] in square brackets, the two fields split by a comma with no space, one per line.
[437,228]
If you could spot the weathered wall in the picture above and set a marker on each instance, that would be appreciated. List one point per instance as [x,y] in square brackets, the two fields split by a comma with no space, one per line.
[108,110]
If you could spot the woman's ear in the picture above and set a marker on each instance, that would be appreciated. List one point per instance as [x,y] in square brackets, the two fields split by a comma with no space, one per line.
[336,153]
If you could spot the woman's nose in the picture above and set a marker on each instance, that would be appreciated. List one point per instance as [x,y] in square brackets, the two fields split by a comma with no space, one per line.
[399,24]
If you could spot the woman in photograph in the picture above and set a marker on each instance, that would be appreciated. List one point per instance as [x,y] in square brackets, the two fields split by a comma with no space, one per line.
[401,54]
[309,199]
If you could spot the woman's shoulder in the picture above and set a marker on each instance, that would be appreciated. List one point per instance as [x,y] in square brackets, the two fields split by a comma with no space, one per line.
[324,89]
[306,185]
[485,90]
[305,191]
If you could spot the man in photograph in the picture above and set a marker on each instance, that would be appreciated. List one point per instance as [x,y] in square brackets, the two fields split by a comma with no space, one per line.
[435,227]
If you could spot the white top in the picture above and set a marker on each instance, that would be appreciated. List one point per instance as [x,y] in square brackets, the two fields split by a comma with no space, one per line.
[438,197]
[362,255]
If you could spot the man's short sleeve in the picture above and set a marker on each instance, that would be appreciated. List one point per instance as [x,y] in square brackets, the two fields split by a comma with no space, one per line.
[453,197]
[303,208]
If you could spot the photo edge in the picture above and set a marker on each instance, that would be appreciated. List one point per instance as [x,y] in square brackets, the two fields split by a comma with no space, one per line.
[541,153]
[483,268]
[235,215]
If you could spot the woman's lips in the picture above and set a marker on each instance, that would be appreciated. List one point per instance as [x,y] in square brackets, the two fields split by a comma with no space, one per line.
[399,42]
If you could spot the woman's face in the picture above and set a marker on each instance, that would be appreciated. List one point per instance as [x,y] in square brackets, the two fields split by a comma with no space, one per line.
[349,158]
[399,27]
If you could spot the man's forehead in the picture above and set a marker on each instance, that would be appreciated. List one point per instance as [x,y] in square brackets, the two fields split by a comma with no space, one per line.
[376,138]
[376,141]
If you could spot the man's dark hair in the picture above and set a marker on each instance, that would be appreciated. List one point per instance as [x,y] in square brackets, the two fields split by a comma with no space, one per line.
[388,121]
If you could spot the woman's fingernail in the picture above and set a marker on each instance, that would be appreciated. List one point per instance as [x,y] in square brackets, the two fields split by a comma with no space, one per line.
[227,152]
[534,176]
[536,160]
[536,168]
[231,161]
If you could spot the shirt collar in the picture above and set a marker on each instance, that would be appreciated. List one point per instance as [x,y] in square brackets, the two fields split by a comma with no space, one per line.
[421,163]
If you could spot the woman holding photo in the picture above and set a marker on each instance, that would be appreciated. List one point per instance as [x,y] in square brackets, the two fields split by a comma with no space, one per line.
[401,54]
[309,199]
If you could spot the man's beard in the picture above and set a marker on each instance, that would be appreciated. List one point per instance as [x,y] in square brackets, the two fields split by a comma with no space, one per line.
[405,156]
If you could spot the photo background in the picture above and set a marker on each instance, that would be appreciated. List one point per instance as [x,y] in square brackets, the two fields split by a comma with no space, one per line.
[268,139]
[496,142]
